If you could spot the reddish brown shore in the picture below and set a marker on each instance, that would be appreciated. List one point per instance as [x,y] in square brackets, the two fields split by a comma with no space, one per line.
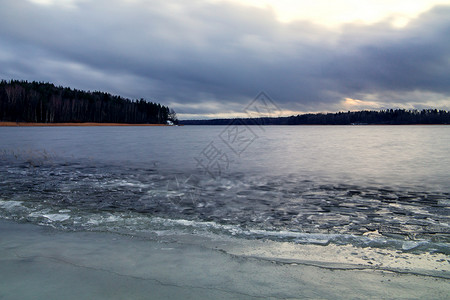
[14,124]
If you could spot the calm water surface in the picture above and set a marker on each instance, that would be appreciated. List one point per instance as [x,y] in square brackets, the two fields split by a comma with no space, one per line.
[382,186]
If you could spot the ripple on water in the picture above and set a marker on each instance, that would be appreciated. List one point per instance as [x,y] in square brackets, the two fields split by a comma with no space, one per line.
[254,206]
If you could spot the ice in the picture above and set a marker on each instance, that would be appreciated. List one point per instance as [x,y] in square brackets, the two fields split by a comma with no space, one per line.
[409,245]
[57,217]
[10,204]
[41,263]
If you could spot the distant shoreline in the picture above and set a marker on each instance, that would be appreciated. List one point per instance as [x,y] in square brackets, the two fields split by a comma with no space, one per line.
[293,125]
[92,124]
[28,124]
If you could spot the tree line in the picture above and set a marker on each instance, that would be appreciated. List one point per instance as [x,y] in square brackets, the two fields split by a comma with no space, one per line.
[23,101]
[382,117]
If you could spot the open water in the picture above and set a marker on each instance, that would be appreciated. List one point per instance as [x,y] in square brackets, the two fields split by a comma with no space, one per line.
[377,186]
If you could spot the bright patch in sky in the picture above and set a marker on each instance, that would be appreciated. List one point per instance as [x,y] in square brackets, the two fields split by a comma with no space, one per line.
[331,13]
[60,3]
[44,2]
[356,104]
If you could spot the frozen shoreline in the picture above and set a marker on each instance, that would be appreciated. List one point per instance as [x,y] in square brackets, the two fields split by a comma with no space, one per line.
[40,262]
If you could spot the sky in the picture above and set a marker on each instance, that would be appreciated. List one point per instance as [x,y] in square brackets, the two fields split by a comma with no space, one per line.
[211,58]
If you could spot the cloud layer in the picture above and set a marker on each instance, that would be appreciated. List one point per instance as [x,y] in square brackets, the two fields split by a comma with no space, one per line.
[205,58]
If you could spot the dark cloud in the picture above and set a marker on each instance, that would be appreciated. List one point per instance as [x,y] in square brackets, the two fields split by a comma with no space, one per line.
[202,57]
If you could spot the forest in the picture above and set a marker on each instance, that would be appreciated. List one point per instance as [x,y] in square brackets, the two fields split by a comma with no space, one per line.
[23,101]
[382,117]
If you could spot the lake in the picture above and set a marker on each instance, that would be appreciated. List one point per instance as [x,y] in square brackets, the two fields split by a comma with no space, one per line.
[247,191]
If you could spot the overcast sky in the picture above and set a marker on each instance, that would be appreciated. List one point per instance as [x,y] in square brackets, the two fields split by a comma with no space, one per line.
[210,58]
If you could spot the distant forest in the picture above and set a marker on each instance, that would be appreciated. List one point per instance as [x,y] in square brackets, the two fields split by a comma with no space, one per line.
[382,117]
[22,101]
